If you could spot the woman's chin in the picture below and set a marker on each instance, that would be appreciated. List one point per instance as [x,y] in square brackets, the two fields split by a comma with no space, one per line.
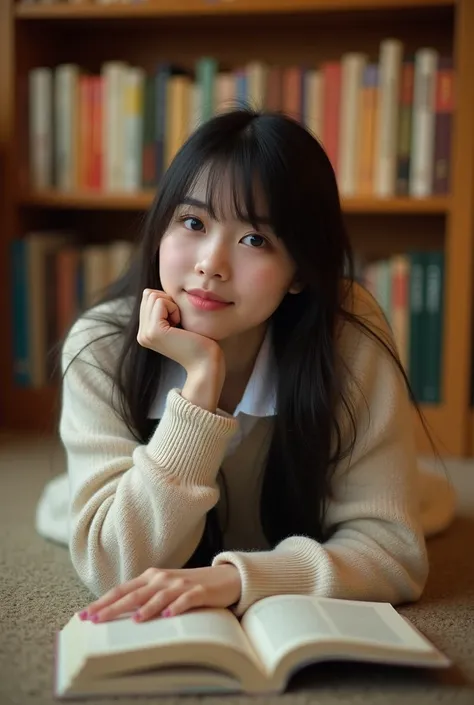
[208,331]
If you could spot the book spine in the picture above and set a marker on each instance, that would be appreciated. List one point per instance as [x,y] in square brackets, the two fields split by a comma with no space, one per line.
[149,149]
[206,70]
[133,128]
[353,66]
[422,142]
[292,96]
[443,123]
[257,82]
[405,127]
[434,287]
[274,88]
[113,133]
[40,128]
[365,171]
[97,148]
[163,77]
[20,314]
[66,120]
[313,104]
[391,52]
[332,100]
[400,266]
[417,322]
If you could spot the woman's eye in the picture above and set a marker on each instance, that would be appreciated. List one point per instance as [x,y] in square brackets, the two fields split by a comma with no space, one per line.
[193,224]
[257,241]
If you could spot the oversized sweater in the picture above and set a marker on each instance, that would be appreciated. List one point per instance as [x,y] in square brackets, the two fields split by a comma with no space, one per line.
[133,506]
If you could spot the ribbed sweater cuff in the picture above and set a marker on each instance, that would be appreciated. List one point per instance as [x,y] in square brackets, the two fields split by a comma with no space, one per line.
[190,442]
[266,573]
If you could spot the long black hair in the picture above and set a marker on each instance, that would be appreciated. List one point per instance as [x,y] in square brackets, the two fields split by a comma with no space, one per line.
[302,199]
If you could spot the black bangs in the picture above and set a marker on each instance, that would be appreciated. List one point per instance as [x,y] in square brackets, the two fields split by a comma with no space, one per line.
[240,166]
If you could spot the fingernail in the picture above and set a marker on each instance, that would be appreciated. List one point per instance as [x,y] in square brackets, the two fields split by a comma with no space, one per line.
[83,615]
[166,613]
[95,618]
[137,616]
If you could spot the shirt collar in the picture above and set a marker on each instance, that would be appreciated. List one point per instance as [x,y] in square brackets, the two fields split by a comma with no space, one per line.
[259,398]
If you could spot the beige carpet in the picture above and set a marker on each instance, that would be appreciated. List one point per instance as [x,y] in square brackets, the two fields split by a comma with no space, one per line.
[39,592]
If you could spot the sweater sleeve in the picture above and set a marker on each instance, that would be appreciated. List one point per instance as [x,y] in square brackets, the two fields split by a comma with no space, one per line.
[132,506]
[376,549]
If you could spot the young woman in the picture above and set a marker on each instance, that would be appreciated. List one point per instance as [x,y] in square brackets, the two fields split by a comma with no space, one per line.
[235,418]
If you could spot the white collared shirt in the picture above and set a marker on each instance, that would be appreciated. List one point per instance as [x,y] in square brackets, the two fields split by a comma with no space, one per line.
[258,400]
[244,461]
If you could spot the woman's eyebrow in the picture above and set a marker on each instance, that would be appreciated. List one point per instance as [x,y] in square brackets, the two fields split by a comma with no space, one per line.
[190,201]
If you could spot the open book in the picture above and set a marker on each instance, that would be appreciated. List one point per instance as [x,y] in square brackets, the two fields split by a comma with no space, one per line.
[209,650]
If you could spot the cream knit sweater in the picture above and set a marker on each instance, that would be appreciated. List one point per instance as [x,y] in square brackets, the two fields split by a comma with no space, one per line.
[134,506]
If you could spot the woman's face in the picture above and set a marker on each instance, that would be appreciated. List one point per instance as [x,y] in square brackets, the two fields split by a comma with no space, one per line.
[250,270]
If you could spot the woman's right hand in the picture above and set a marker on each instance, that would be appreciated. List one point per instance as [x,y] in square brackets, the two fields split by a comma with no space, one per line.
[201,357]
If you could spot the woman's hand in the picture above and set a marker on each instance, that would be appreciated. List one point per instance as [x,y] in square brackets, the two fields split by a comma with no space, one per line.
[168,593]
[159,316]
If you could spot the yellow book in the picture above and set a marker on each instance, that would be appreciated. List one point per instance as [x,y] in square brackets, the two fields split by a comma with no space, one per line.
[368,121]
[178,105]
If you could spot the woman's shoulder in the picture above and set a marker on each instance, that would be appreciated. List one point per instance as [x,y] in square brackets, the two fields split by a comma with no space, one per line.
[98,332]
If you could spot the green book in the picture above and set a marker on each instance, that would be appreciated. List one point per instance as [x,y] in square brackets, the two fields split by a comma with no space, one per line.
[206,69]
[434,299]
[416,314]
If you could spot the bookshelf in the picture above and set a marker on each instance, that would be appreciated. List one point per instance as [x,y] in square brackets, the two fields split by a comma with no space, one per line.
[285,32]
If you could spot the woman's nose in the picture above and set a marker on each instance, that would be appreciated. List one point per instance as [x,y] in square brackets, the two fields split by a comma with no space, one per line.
[214,262]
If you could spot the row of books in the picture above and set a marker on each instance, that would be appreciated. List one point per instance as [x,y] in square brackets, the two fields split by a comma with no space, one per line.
[54,278]
[410,290]
[385,125]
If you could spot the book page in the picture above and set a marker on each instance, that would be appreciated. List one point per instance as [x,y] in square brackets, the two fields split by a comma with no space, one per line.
[208,638]
[278,625]
[199,626]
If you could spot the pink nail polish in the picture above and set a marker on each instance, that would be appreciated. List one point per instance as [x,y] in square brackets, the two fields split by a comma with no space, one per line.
[83,615]
[95,618]
[137,616]
[166,613]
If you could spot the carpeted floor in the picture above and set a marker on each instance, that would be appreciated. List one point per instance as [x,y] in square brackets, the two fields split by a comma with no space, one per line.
[39,592]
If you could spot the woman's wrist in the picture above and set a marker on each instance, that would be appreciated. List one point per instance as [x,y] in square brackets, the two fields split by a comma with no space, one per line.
[204,384]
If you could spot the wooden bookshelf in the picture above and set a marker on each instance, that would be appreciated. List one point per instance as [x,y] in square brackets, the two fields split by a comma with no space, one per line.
[89,200]
[170,8]
[299,31]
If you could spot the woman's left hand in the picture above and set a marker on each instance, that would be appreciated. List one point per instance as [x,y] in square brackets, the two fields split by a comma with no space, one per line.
[168,593]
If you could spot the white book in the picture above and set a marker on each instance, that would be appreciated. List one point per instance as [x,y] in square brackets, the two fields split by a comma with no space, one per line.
[134,82]
[313,103]
[66,124]
[113,132]
[353,65]
[210,650]
[423,123]
[256,84]
[386,145]
[40,116]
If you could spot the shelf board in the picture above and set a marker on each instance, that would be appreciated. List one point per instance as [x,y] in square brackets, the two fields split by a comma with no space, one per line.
[170,8]
[89,200]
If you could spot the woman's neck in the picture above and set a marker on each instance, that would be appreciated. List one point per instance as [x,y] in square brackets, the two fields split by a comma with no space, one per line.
[240,353]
